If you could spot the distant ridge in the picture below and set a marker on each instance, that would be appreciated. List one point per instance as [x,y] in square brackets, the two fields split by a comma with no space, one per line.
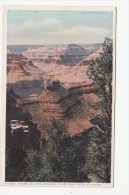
[23,48]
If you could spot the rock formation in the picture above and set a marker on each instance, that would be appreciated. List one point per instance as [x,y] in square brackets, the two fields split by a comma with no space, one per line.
[52,82]
[22,76]
[29,73]
[76,106]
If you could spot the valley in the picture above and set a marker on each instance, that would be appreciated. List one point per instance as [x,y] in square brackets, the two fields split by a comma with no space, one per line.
[52,82]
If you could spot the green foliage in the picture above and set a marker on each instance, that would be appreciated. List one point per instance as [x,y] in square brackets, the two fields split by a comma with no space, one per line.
[100,71]
[32,166]
[51,162]
[14,159]
[73,159]
[98,153]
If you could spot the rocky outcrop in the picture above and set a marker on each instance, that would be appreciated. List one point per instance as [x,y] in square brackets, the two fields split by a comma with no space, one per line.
[52,85]
[22,76]
[76,106]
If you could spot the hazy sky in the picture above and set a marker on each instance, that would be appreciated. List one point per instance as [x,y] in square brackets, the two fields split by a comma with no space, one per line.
[58,27]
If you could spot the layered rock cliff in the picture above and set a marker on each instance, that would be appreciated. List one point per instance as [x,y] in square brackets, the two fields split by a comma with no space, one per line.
[52,82]
[66,63]
[28,73]
[22,76]
[76,106]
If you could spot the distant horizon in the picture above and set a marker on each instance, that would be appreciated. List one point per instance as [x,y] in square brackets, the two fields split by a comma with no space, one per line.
[53,44]
[49,27]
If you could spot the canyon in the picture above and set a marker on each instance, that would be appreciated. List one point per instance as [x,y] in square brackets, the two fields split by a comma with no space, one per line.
[29,72]
[52,82]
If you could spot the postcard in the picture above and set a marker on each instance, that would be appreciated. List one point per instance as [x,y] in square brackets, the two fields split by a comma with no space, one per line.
[59,89]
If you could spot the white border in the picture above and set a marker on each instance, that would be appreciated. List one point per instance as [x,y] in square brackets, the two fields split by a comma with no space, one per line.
[122,98]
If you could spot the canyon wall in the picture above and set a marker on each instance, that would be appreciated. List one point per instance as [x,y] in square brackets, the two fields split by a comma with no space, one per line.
[51,82]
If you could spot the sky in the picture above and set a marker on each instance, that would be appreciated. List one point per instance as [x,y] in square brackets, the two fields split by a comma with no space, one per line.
[29,27]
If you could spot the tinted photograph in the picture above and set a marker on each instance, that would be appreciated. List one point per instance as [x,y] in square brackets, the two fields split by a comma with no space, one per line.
[59,96]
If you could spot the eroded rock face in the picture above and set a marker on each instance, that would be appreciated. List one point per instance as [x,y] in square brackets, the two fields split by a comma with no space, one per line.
[75,106]
[37,68]
[66,63]
[93,56]
[67,55]
[22,76]
[53,83]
